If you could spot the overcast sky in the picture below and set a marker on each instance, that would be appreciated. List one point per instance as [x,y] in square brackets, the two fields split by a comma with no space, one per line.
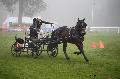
[66,12]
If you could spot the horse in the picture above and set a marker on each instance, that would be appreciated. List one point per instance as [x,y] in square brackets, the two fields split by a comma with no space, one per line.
[74,35]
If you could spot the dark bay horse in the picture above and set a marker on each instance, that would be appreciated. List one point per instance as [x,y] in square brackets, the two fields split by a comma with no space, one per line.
[74,35]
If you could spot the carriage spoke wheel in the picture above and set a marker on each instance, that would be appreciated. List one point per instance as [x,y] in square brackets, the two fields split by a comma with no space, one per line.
[28,51]
[14,51]
[39,51]
[36,52]
[53,52]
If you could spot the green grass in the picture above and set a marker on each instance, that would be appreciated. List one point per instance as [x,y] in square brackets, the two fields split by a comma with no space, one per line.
[104,63]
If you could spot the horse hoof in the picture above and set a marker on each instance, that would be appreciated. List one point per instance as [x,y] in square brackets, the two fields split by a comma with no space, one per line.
[77,53]
[35,57]
[87,62]
[68,58]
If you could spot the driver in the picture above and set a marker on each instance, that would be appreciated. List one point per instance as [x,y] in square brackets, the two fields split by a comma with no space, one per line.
[36,27]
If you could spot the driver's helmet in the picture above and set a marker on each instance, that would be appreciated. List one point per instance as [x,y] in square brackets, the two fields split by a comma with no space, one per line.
[34,19]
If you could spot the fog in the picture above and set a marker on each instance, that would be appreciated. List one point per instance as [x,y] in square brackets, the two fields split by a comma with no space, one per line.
[66,12]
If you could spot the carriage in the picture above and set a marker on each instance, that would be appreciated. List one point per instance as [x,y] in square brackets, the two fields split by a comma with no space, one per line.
[35,46]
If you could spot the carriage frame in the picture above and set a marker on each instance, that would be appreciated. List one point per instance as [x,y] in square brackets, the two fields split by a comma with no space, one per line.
[35,46]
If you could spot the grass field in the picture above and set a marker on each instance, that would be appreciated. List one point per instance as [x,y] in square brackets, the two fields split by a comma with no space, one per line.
[104,63]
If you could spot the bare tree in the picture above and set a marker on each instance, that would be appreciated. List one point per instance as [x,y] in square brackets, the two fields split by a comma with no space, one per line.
[26,7]
[8,4]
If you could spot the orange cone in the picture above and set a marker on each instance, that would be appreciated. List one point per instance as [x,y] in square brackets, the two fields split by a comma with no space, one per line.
[93,45]
[101,44]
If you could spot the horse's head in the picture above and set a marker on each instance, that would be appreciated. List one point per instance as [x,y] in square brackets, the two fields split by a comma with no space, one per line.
[81,26]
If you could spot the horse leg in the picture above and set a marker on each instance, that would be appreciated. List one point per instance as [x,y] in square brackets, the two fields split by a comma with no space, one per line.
[82,52]
[80,47]
[77,52]
[64,50]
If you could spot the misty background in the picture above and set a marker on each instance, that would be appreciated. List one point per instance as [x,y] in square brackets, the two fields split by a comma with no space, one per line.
[66,12]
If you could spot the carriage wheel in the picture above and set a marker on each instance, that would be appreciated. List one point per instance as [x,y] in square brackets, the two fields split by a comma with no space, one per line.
[53,52]
[39,51]
[14,51]
[27,51]
[36,52]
